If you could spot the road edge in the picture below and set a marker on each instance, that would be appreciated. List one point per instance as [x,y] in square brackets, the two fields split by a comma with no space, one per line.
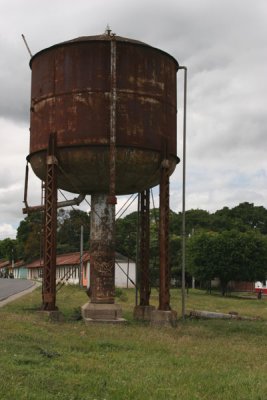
[16,296]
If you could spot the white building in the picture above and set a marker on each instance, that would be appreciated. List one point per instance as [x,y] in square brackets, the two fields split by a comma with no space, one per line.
[68,270]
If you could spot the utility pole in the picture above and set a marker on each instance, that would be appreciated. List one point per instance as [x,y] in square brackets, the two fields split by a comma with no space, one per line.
[81,258]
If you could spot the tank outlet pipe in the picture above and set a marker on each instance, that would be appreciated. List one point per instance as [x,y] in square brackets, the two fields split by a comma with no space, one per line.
[184,192]
[26,185]
[74,202]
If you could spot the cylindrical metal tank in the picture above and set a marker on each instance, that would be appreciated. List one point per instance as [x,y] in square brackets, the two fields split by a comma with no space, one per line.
[73,87]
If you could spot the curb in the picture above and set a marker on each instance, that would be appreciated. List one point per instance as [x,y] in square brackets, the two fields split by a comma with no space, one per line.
[16,296]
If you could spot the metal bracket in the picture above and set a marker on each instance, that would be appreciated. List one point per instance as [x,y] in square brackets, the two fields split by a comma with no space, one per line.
[31,209]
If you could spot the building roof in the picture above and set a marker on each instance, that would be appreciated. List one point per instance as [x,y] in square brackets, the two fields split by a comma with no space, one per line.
[19,264]
[8,264]
[4,264]
[121,258]
[63,259]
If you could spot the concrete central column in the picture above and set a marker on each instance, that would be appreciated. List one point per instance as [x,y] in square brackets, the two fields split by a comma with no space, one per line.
[102,250]
[101,307]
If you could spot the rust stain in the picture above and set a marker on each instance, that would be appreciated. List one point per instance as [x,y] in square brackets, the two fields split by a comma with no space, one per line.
[71,95]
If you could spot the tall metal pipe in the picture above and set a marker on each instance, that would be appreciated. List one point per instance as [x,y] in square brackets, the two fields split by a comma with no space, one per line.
[184,193]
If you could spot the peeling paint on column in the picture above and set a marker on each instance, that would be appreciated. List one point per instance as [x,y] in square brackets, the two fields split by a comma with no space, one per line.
[102,250]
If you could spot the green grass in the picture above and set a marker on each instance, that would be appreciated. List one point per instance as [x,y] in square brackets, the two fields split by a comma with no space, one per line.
[199,359]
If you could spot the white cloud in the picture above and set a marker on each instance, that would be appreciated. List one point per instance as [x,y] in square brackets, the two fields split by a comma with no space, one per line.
[7,231]
[223,43]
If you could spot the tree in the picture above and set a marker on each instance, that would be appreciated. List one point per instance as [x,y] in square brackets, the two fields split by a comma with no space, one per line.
[200,261]
[254,217]
[196,220]
[243,217]
[126,230]
[175,256]
[230,255]
[69,230]
[222,220]
[30,237]
[8,249]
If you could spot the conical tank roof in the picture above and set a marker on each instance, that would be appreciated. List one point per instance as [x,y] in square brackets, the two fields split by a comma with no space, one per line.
[104,37]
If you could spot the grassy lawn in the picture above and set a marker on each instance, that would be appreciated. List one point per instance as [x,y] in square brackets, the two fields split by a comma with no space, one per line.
[199,359]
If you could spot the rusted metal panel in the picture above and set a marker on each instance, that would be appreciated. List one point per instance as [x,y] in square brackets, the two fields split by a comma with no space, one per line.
[86,68]
[147,86]
[145,122]
[72,94]
[69,69]
[43,77]
[75,118]
[86,169]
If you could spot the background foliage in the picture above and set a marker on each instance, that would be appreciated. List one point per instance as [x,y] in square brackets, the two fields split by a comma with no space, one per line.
[229,243]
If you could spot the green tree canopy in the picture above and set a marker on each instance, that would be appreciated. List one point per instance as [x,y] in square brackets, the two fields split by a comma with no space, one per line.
[243,217]
[126,230]
[8,249]
[126,241]
[30,236]
[69,230]
[30,233]
[212,242]
[195,220]
[230,255]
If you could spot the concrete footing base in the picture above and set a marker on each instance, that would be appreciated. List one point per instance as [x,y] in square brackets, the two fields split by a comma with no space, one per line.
[143,313]
[163,318]
[107,313]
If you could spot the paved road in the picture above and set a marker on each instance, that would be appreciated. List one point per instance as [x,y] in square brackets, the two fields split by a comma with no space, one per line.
[10,287]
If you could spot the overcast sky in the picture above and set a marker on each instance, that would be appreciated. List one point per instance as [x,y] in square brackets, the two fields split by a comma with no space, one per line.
[222,42]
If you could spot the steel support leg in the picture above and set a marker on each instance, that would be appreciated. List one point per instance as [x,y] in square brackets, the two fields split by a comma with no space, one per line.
[164,289]
[50,228]
[144,248]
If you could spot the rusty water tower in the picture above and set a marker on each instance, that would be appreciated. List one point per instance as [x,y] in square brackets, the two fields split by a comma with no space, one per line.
[107,106]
